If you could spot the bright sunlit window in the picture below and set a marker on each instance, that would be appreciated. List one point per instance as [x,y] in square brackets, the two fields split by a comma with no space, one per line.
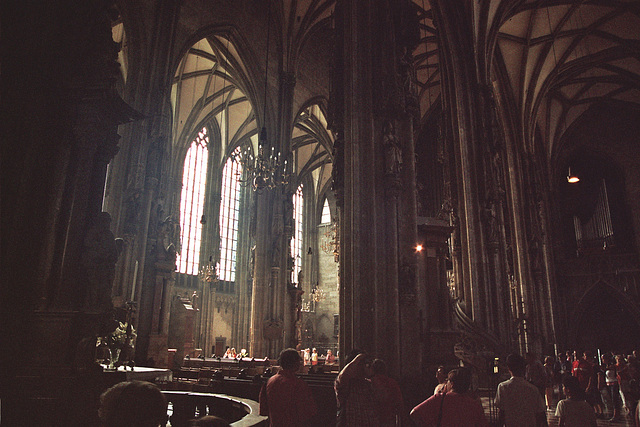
[229,209]
[194,180]
[326,213]
[296,240]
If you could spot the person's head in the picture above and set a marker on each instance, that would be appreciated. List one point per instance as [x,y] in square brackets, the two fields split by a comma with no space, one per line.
[209,421]
[607,358]
[329,352]
[379,367]
[516,364]
[460,379]
[572,387]
[352,355]
[289,359]
[314,350]
[441,375]
[549,360]
[133,404]
[364,361]
[587,355]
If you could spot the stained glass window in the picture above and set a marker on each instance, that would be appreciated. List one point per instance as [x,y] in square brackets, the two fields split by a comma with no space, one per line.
[296,240]
[326,213]
[194,178]
[229,210]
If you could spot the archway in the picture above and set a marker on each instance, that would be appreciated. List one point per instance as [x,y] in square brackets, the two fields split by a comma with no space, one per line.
[606,321]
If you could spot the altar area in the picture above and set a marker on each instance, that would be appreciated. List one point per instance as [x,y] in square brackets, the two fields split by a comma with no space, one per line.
[141,373]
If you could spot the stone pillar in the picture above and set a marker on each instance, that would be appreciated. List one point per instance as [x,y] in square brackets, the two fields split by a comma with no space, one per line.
[388,296]
[358,267]
[261,278]
[462,102]
[54,161]
[377,174]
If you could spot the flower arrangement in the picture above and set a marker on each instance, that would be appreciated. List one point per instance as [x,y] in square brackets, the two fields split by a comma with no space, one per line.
[118,338]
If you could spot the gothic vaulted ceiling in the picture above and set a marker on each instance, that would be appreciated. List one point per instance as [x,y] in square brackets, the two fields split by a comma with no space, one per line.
[554,58]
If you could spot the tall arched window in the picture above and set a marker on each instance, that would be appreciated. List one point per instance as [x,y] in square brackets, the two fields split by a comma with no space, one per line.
[229,209]
[326,213]
[296,240]
[194,179]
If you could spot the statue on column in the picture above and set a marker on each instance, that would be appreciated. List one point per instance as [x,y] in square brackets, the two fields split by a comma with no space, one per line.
[337,171]
[288,213]
[275,251]
[168,238]
[393,153]
[194,300]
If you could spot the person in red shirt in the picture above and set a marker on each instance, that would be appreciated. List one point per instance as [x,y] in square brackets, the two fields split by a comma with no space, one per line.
[330,359]
[583,370]
[354,393]
[287,399]
[453,409]
[387,395]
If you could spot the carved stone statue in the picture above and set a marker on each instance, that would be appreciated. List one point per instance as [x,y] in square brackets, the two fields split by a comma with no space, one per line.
[275,251]
[288,211]
[393,154]
[168,237]
[194,300]
[252,260]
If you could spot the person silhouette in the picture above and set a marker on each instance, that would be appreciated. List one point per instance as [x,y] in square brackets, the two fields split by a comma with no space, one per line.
[133,404]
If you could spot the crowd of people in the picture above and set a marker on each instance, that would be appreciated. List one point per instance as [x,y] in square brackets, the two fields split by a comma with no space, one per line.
[579,388]
[608,382]
[231,353]
[366,396]
[311,357]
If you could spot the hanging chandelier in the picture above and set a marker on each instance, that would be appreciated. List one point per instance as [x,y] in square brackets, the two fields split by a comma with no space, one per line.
[331,244]
[267,169]
[209,272]
[317,294]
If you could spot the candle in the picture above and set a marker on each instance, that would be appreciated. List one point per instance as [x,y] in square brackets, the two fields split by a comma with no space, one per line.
[133,285]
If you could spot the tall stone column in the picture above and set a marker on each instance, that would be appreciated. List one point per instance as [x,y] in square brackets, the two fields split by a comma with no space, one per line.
[261,278]
[148,146]
[54,160]
[358,252]
[271,322]
[462,100]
